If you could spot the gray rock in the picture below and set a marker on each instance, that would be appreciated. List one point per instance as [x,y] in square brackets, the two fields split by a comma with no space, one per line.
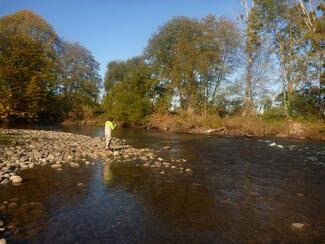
[23,159]
[167,147]
[50,157]
[56,166]
[74,165]
[5,181]
[24,166]
[166,164]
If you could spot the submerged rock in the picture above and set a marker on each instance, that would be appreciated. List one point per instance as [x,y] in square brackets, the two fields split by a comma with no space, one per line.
[167,148]
[297,225]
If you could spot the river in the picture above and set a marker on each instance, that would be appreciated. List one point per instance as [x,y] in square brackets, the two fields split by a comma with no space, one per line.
[242,190]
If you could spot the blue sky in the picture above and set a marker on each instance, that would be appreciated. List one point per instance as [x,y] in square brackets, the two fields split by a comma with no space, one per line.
[117,29]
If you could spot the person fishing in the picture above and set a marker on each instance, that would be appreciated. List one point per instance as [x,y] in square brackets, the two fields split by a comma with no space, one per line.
[109,126]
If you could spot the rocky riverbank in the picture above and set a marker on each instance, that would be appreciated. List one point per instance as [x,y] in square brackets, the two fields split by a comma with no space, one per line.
[33,148]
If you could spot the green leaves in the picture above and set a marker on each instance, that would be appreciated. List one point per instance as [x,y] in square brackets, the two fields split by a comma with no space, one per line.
[130,90]
[191,57]
[40,74]
[79,81]
[27,64]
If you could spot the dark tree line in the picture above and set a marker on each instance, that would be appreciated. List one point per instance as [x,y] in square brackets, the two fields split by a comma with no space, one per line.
[42,76]
[273,66]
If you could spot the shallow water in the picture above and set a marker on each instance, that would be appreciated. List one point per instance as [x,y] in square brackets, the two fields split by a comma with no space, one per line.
[241,190]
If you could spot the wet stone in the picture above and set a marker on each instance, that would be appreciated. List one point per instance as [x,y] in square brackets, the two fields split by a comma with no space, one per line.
[12,205]
[14,199]
[74,165]
[16,179]
[297,225]
[36,212]
[5,181]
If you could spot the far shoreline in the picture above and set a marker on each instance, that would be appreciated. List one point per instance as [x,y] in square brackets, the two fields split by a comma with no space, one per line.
[225,132]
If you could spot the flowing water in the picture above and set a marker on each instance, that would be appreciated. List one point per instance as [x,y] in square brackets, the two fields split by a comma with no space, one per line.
[242,190]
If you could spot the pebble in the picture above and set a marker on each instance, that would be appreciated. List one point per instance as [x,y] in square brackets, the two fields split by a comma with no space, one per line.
[35,148]
[12,205]
[167,147]
[16,179]
[56,166]
[14,199]
[74,165]
[3,241]
[5,181]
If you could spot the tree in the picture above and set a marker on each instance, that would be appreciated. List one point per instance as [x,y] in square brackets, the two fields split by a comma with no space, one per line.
[251,50]
[79,82]
[314,26]
[28,64]
[130,90]
[191,57]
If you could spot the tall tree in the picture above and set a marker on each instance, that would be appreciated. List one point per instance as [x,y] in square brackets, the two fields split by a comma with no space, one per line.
[191,57]
[28,64]
[130,90]
[251,50]
[313,22]
[80,81]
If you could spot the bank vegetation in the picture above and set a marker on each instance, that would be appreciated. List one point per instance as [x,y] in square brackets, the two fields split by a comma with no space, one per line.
[262,75]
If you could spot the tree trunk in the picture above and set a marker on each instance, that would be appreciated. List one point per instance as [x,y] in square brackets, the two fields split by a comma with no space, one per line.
[248,103]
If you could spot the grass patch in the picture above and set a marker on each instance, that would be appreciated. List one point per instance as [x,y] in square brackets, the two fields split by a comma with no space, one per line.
[184,121]
[238,125]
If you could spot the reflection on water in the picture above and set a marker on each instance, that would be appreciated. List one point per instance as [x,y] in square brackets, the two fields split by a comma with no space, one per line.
[241,190]
[107,174]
